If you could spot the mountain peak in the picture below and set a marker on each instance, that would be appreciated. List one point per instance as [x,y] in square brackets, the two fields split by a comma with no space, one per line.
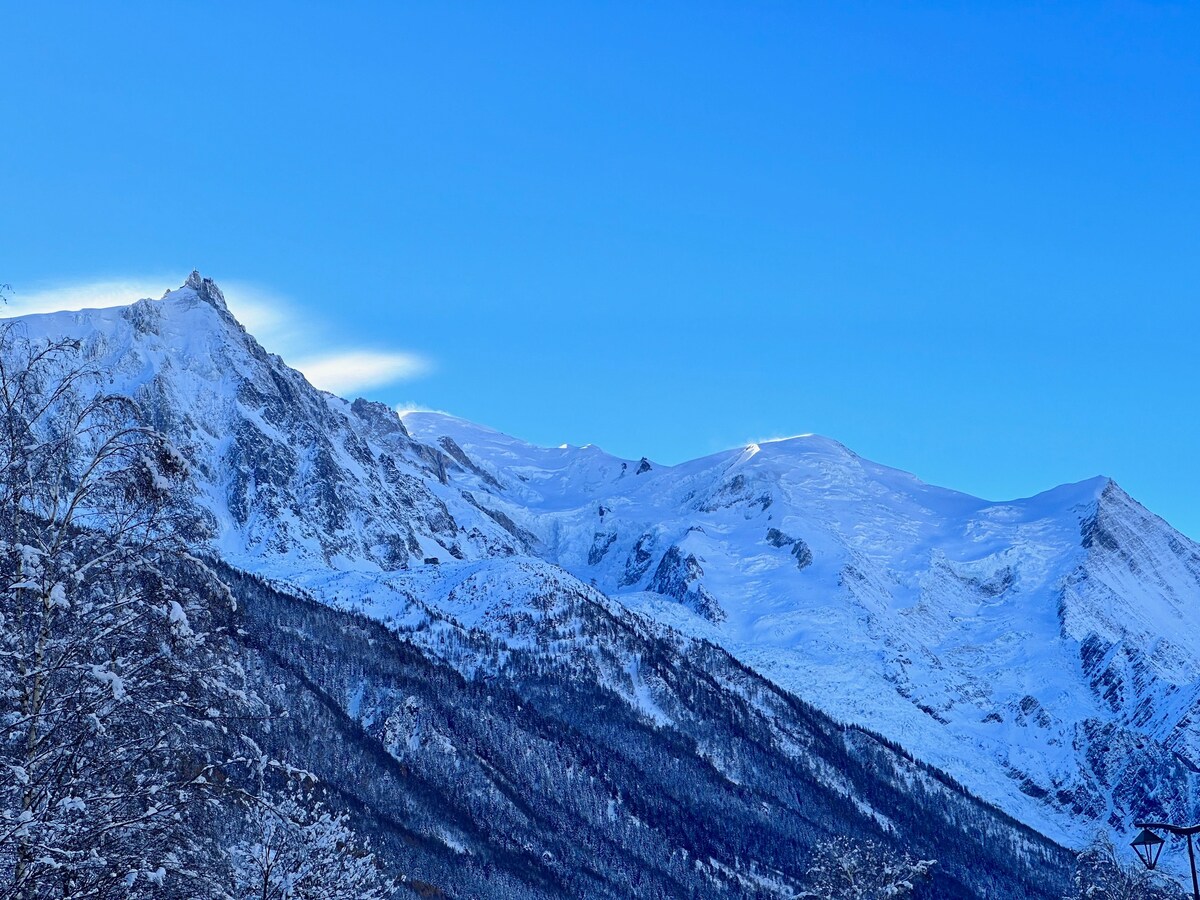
[206,289]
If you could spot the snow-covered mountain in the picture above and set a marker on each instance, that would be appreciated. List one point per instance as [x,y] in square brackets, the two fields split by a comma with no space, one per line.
[1037,650]
[286,474]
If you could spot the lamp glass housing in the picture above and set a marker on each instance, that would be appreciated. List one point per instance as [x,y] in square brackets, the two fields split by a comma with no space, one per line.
[1148,846]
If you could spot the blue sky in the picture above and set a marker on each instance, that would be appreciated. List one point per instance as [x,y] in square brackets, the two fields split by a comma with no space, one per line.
[960,238]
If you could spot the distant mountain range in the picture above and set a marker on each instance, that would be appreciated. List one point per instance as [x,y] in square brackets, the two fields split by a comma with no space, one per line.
[532,657]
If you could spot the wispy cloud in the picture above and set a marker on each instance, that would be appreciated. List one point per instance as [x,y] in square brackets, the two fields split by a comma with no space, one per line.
[276,321]
[356,370]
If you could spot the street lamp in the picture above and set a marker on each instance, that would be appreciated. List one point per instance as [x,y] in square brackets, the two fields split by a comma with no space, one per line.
[1148,846]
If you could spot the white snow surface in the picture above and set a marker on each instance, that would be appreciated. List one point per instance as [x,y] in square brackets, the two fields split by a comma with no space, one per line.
[1031,648]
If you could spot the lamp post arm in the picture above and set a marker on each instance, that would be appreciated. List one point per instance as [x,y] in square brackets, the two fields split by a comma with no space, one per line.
[1179,830]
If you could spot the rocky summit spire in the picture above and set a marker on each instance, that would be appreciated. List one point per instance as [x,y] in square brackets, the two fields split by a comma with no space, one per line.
[206,289]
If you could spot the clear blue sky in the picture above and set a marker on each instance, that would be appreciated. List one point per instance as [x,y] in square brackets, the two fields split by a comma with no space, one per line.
[964,239]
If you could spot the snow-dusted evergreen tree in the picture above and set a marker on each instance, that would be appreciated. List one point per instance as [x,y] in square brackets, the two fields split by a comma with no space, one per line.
[843,869]
[1101,875]
[115,719]
[292,847]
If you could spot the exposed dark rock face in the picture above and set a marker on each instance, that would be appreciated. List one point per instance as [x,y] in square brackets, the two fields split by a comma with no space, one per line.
[777,538]
[678,576]
[1096,536]
[638,562]
[459,455]
[379,420]
[643,466]
[738,491]
[998,583]
[800,550]
[601,543]
[527,540]
[206,289]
